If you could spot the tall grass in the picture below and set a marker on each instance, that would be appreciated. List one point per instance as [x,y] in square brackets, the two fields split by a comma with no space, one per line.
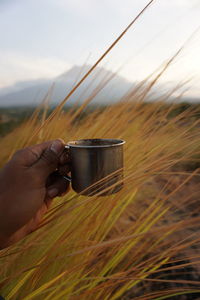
[120,246]
[101,247]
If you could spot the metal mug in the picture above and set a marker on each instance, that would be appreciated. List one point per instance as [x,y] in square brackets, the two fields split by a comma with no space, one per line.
[96,166]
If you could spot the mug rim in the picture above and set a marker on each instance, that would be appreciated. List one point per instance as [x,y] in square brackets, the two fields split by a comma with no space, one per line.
[116,142]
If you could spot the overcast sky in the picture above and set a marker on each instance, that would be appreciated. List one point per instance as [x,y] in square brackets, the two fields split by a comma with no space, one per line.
[43,38]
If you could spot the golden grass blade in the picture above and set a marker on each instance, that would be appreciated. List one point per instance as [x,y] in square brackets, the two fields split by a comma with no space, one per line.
[95,65]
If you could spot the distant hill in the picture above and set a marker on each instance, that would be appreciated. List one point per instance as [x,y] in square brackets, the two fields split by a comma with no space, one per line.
[32,92]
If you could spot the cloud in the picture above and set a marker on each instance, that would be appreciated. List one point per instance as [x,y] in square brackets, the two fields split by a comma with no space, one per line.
[19,68]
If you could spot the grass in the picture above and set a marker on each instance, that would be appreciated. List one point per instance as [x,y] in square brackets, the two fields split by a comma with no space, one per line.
[101,247]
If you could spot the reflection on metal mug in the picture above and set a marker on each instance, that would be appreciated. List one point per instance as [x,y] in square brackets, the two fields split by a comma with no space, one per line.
[96,166]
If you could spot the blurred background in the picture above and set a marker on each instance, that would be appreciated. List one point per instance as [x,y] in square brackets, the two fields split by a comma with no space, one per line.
[46,41]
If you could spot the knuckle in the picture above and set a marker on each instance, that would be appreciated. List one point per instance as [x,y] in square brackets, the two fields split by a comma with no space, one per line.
[18,154]
[25,156]
[49,157]
[32,153]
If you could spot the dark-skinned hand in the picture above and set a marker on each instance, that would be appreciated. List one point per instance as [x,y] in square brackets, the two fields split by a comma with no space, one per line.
[28,183]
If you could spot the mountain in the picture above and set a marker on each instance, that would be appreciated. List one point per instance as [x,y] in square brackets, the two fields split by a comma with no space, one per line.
[32,92]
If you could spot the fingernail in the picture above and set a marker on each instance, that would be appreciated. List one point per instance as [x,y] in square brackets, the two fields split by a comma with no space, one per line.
[53,192]
[57,147]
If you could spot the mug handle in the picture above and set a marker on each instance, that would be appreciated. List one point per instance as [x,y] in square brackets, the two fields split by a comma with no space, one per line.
[66,177]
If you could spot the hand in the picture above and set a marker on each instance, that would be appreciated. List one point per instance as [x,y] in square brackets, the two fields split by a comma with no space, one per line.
[28,183]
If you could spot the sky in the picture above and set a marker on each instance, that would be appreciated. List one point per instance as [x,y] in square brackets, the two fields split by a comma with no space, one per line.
[44,38]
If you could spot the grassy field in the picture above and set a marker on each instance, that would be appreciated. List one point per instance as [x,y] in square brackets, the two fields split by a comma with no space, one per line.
[136,244]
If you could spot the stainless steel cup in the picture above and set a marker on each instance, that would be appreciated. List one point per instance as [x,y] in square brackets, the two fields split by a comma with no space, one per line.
[96,166]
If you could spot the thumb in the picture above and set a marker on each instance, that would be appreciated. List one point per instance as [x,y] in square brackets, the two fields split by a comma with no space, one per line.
[49,158]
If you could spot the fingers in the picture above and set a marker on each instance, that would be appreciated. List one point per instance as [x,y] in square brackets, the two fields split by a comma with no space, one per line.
[64,158]
[40,148]
[44,158]
[64,170]
[30,155]
[58,187]
[49,157]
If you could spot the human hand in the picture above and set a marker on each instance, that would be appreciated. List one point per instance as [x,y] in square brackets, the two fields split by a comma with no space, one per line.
[28,183]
